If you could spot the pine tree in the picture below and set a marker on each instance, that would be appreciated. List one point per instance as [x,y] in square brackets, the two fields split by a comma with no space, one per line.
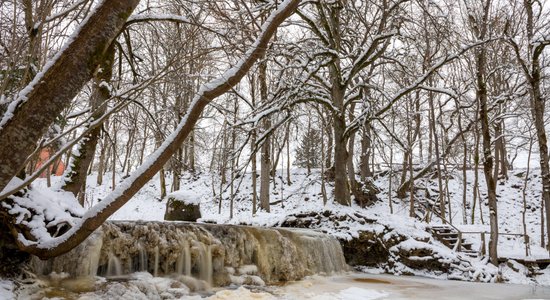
[308,154]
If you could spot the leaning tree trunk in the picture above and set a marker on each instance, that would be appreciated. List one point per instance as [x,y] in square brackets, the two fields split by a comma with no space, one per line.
[52,91]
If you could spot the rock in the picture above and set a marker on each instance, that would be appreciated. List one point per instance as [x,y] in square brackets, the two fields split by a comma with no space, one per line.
[178,208]
[12,260]
[365,194]
[366,250]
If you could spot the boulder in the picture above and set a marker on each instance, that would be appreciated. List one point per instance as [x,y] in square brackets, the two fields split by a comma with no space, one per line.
[182,207]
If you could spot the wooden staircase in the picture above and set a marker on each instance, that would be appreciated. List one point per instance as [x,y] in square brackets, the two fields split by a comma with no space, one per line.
[452,238]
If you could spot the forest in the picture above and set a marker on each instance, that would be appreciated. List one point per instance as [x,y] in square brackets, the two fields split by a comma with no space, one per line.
[412,133]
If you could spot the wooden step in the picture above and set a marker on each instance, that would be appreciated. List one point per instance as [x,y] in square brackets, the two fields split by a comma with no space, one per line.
[449,234]
[441,227]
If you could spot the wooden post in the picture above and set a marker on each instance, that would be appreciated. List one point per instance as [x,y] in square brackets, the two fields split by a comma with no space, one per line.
[526,238]
[459,242]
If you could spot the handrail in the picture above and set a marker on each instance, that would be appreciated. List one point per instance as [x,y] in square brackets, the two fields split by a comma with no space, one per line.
[458,245]
[488,232]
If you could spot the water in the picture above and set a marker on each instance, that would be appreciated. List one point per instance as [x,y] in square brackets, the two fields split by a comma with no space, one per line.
[353,286]
[362,286]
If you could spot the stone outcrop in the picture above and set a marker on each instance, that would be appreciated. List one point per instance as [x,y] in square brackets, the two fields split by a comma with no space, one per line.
[379,246]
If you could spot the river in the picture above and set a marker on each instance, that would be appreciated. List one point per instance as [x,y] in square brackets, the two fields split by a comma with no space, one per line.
[366,287]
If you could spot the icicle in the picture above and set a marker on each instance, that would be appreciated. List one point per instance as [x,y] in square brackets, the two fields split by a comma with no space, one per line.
[156,268]
[142,267]
[187,256]
[205,265]
[114,267]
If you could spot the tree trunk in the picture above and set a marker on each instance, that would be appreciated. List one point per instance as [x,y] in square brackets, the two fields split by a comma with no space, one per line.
[354,186]
[524,197]
[265,159]
[537,111]
[341,184]
[476,174]
[76,178]
[102,162]
[323,153]
[254,172]
[364,165]
[330,143]
[464,176]
[488,159]
[437,157]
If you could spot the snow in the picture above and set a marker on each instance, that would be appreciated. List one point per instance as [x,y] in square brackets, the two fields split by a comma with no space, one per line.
[51,207]
[241,293]
[303,195]
[355,293]
[248,269]
[6,290]
[187,196]
[158,17]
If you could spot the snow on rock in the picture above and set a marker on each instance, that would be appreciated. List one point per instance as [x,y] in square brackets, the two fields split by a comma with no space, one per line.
[6,290]
[141,286]
[187,196]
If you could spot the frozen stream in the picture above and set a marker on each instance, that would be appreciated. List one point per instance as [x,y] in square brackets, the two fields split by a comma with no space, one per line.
[367,287]
[362,286]
[356,286]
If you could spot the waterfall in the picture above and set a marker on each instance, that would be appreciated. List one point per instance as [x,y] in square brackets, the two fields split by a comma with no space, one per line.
[216,255]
